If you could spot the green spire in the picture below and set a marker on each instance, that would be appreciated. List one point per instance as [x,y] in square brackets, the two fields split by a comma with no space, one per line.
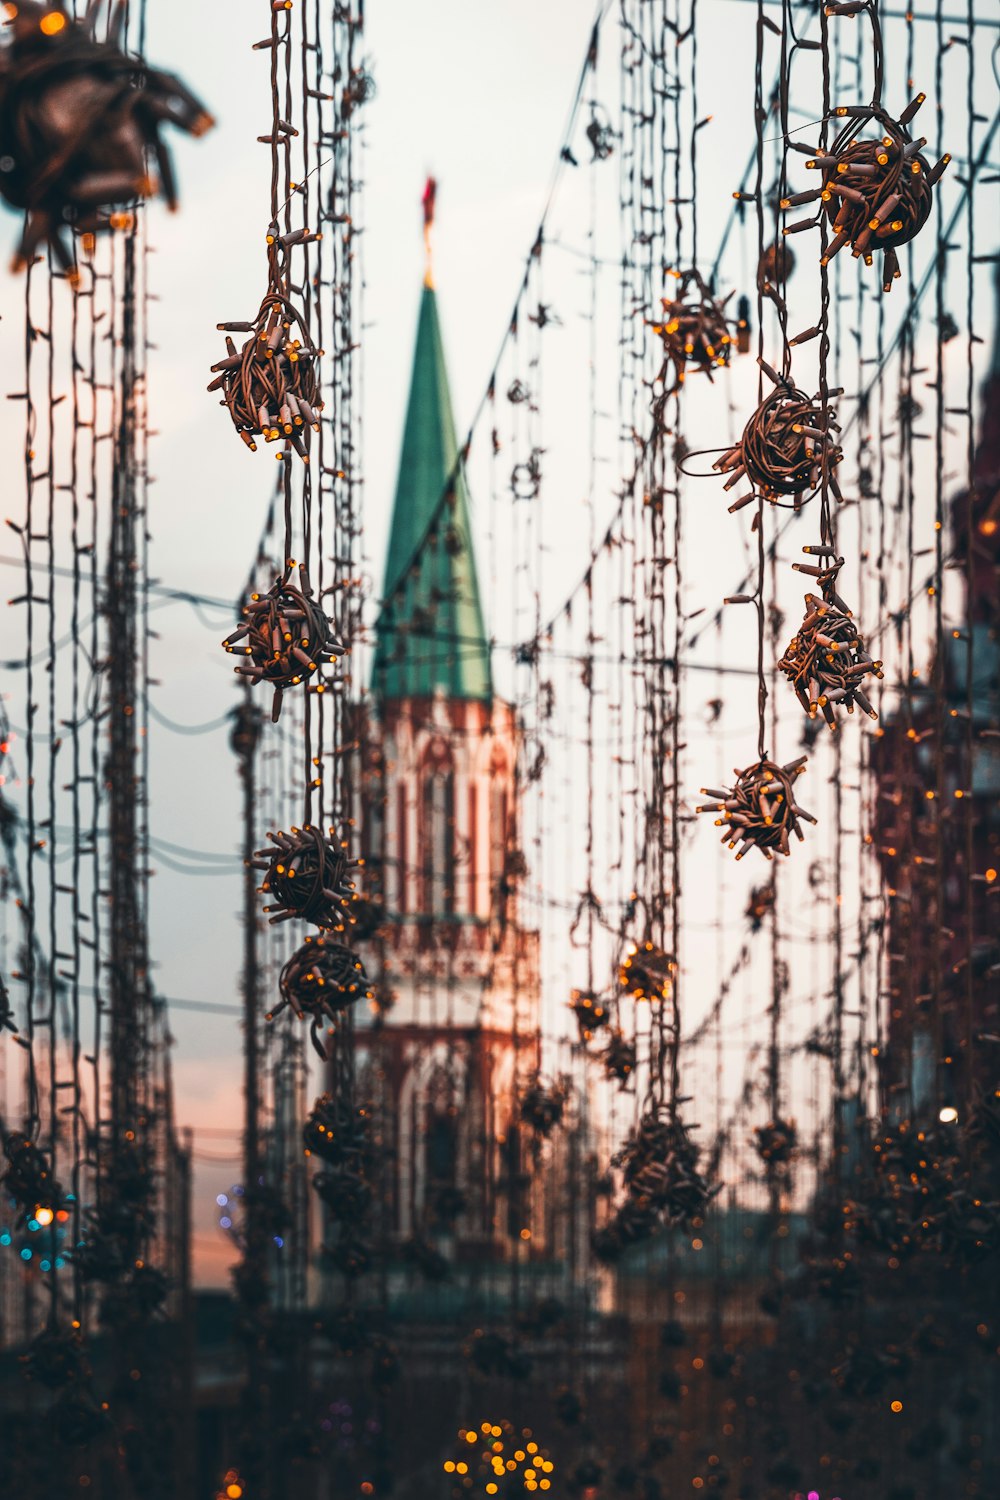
[430,634]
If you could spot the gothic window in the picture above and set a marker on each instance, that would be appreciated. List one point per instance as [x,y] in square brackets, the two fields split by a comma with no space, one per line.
[499,814]
[441,1150]
[437,843]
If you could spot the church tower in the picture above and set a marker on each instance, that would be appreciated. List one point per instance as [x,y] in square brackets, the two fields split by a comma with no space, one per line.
[457,973]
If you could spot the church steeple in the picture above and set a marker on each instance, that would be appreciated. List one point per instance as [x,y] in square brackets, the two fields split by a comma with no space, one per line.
[430,634]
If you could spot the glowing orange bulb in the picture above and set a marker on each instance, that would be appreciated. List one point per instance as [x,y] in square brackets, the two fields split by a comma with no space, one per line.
[44,1216]
[53,23]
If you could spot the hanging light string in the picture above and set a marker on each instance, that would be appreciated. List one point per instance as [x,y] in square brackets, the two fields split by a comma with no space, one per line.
[565,155]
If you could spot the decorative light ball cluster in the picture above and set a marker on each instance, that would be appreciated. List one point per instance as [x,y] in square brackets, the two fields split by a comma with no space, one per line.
[646,972]
[775,1142]
[760,811]
[619,1058]
[307,875]
[826,661]
[78,119]
[286,636]
[876,192]
[787,450]
[776,264]
[664,1185]
[591,1014]
[29,1181]
[232,1487]
[498,1459]
[343,1136]
[543,1105]
[320,980]
[271,385]
[695,332]
[54,1359]
[337,1131]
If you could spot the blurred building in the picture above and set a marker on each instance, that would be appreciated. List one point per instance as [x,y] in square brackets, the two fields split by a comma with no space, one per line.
[937,762]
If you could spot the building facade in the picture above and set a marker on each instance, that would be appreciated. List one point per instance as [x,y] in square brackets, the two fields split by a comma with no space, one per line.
[456,1036]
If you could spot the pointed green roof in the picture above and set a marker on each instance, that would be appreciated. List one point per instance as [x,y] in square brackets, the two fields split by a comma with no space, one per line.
[430,633]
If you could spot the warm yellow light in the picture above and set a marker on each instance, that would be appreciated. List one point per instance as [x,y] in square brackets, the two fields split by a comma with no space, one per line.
[52,23]
[948,1116]
[897,1406]
[44,1216]
[991,875]
[234,1491]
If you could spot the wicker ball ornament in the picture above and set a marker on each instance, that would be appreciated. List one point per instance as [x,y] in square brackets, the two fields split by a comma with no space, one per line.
[54,1359]
[695,332]
[78,120]
[320,980]
[619,1057]
[646,972]
[590,1012]
[775,1142]
[760,812]
[826,661]
[271,385]
[660,1167]
[876,191]
[307,875]
[543,1105]
[338,1131]
[787,449]
[286,636]
[776,264]
[28,1180]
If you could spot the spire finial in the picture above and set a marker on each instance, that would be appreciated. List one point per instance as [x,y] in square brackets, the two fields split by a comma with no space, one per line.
[430,194]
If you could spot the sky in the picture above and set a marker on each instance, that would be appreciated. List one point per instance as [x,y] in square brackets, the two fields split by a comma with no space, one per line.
[478,95]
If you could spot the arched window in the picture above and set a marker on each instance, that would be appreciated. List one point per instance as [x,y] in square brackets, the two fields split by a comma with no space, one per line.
[441,1150]
[499,818]
[437,838]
